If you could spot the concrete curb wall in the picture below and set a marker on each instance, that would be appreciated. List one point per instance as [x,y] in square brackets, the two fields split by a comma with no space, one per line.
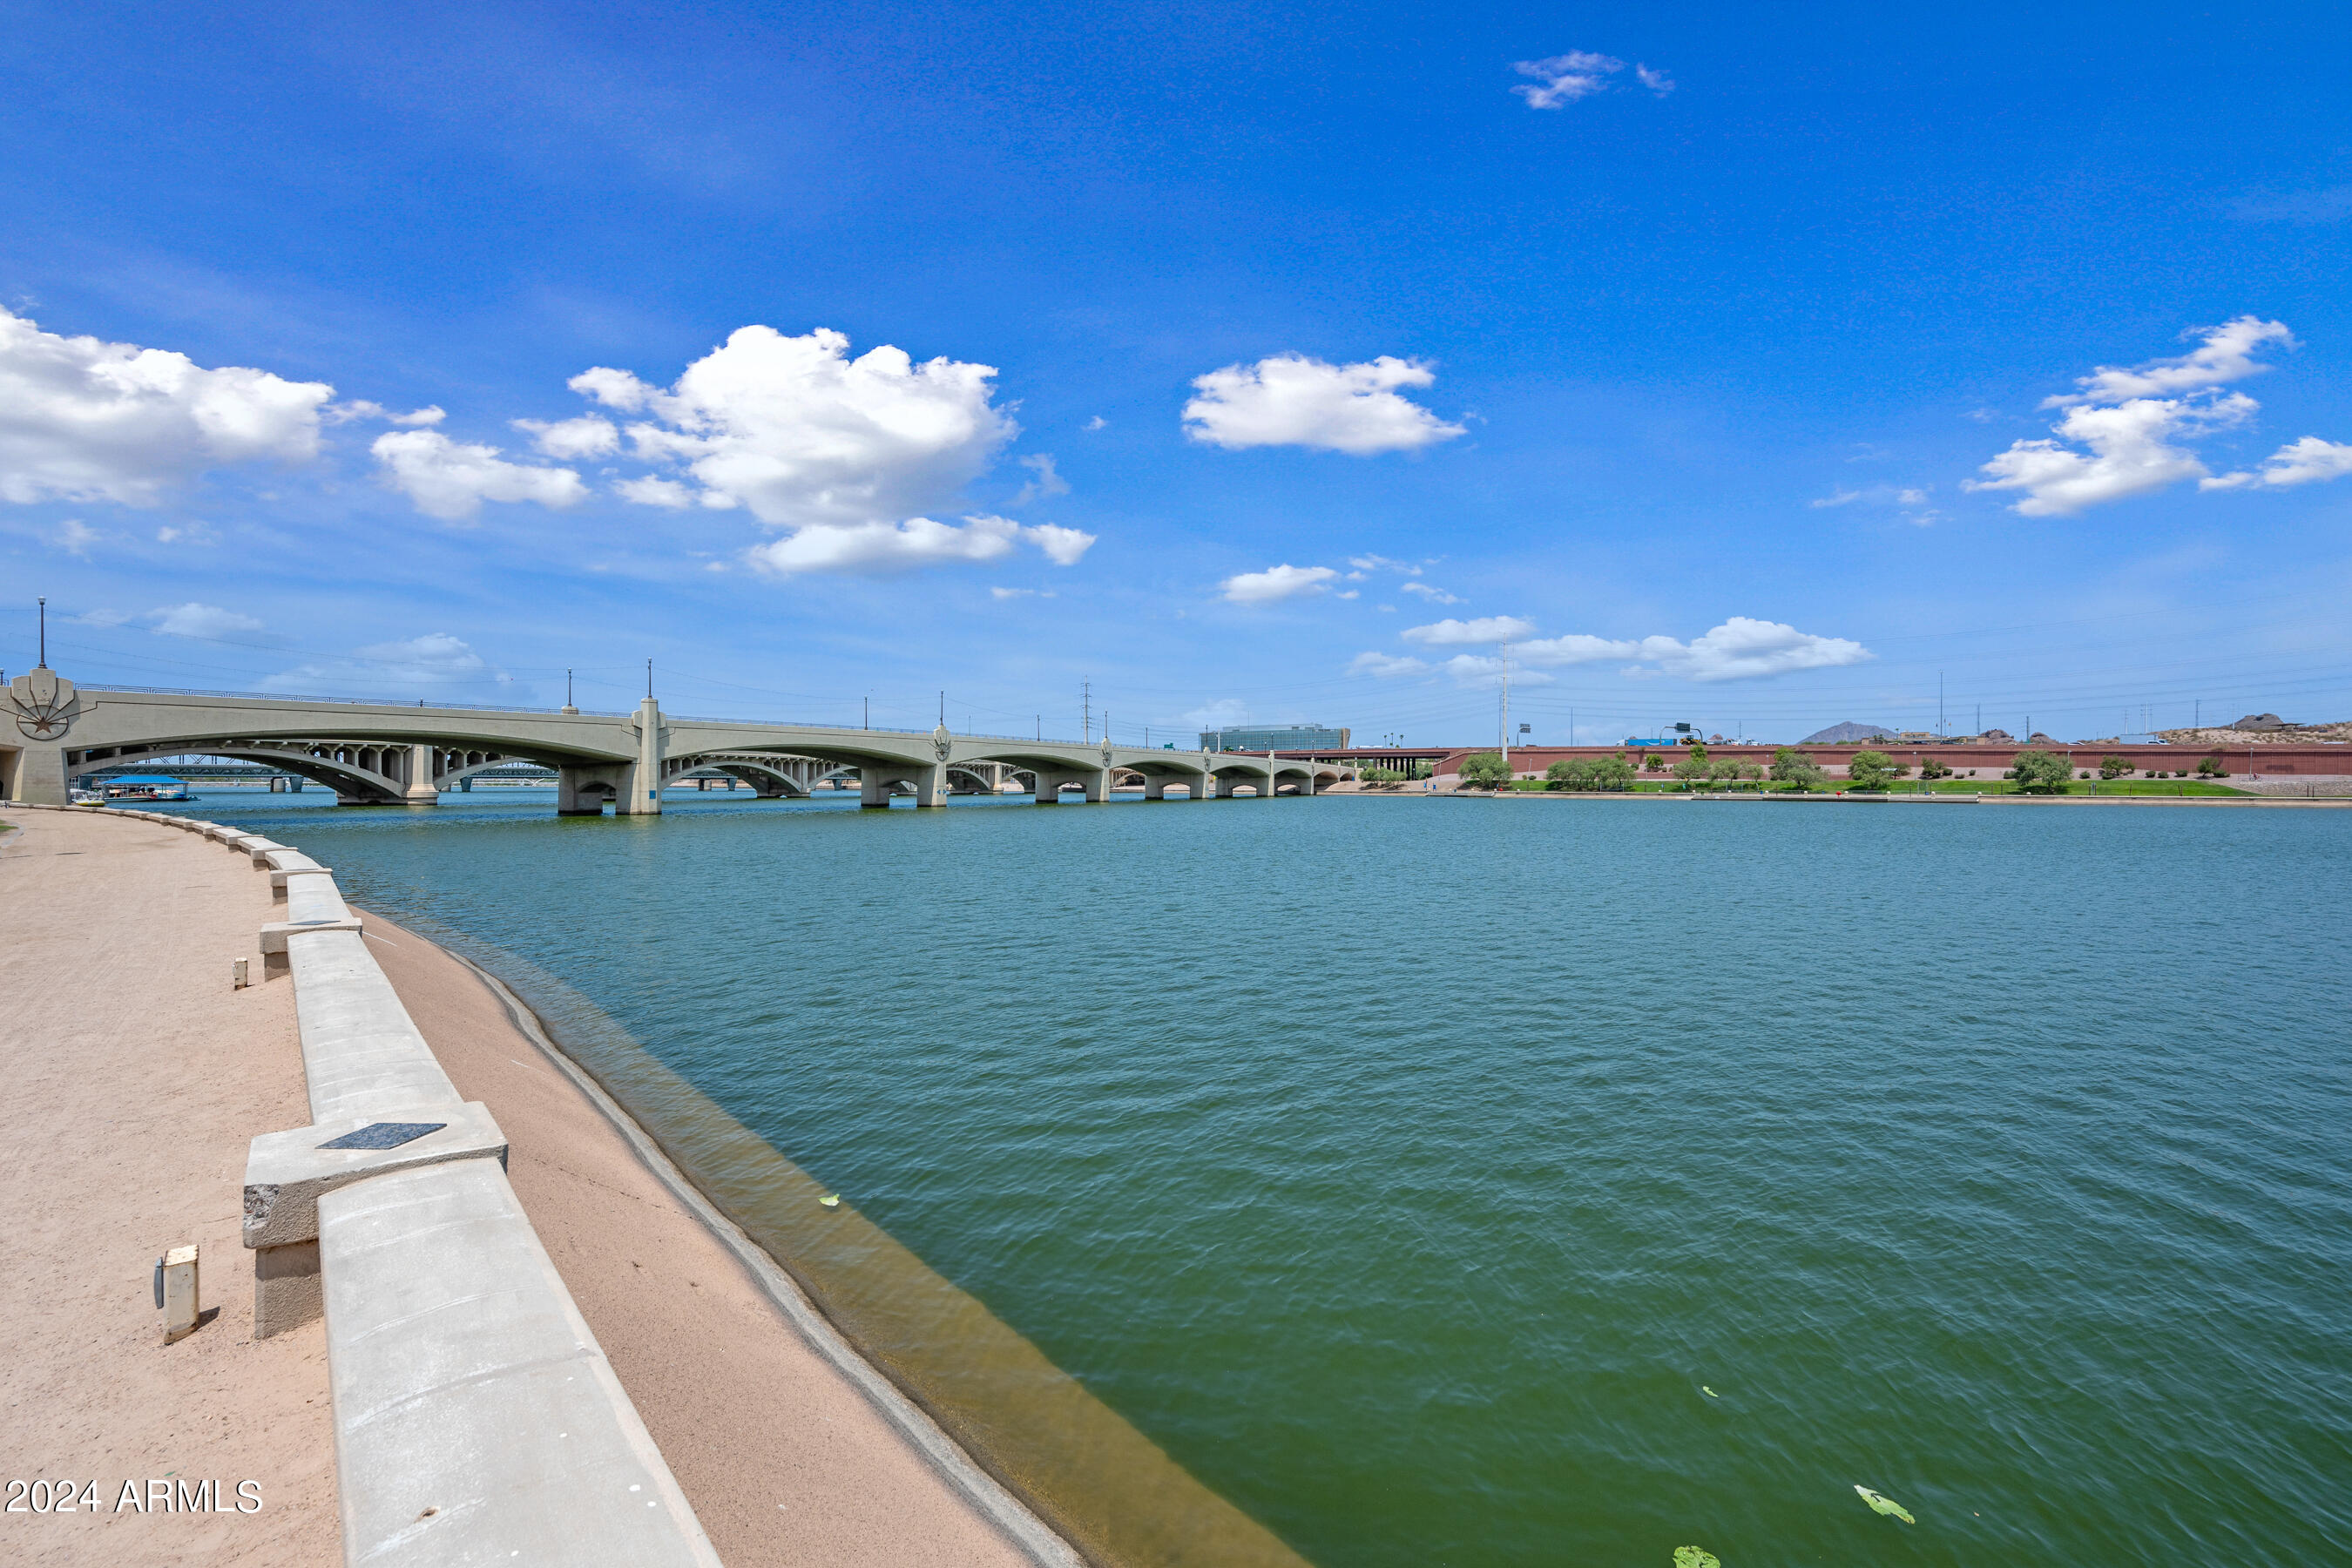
[477,1419]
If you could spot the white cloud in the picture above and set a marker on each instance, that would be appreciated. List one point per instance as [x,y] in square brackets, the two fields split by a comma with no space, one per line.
[1563,78]
[883,547]
[435,661]
[804,436]
[2131,453]
[82,419]
[1382,564]
[1435,595]
[1044,484]
[1385,665]
[104,618]
[1575,647]
[75,537]
[1741,649]
[1277,582]
[1456,633]
[361,408]
[208,622]
[1657,81]
[652,490]
[2133,421]
[1289,400]
[2302,462]
[1096,423]
[1913,499]
[451,479]
[2225,355]
[1020,593]
[572,439]
[1487,669]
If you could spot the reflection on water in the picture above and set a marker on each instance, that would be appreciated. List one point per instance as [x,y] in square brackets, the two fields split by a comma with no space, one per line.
[1406,1170]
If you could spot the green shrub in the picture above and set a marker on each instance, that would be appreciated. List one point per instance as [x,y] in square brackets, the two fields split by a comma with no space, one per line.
[1934,768]
[1486,770]
[2039,773]
[1873,771]
[2113,767]
[2210,767]
[1792,768]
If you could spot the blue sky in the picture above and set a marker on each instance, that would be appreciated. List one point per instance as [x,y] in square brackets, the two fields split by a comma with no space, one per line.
[1736,364]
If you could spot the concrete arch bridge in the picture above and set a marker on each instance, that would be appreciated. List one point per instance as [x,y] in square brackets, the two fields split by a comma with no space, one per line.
[384,753]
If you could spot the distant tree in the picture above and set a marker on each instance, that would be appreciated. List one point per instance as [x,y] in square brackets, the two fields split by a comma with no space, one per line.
[2039,773]
[2113,767]
[1486,770]
[1567,774]
[1612,772]
[1872,771]
[1655,763]
[2210,767]
[1697,752]
[1747,772]
[1694,769]
[1934,768]
[1792,768]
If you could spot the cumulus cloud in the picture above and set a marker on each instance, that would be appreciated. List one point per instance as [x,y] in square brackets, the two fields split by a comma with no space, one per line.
[2226,354]
[1434,595]
[570,440]
[2122,431]
[802,435]
[876,548]
[2302,462]
[1277,582]
[361,408]
[434,662]
[451,479]
[1043,482]
[1290,400]
[1740,648]
[1457,634]
[82,419]
[208,622]
[1657,81]
[652,490]
[2132,447]
[848,454]
[1385,665]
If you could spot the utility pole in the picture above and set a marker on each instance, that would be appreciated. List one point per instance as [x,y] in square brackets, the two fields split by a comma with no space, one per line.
[649,678]
[1940,725]
[1506,744]
[869,713]
[943,710]
[1085,711]
[45,636]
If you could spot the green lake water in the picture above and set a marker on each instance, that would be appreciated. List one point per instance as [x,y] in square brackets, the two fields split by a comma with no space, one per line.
[1409,1170]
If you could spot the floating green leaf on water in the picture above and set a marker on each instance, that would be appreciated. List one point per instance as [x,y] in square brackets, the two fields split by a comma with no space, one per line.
[1886,1505]
[831,1200]
[1695,1557]
[1708,1391]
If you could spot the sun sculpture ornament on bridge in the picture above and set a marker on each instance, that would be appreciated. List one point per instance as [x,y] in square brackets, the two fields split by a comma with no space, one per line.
[45,704]
[941,743]
[1106,751]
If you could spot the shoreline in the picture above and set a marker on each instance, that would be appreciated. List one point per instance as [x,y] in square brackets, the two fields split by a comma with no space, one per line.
[985,1491]
[1059,1477]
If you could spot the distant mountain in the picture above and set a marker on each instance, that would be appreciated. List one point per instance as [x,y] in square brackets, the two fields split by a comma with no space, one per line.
[1845,734]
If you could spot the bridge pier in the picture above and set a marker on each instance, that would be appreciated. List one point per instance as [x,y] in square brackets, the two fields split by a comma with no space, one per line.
[641,785]
[418,786]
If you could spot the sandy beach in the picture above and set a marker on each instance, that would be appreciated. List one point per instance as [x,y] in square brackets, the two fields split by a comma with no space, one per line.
[140,1077]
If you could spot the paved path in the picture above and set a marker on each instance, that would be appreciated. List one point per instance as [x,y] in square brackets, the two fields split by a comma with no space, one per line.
[135,1077]
[784,1461]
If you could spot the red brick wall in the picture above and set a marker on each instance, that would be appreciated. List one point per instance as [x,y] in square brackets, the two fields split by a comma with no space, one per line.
[1989,762]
